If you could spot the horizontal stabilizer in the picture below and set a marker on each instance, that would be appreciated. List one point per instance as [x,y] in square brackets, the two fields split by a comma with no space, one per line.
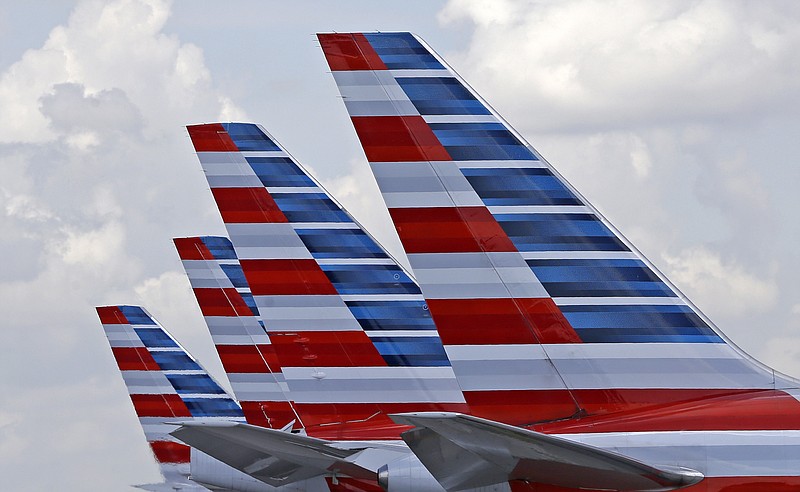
[464,452]
[273,456]
[173,486]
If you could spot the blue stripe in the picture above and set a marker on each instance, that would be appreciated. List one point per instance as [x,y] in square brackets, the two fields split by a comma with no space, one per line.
[136,315]
[440,95]
[220,247]
[626,308]
[410,352]
[174,361]
[213,407]
[279,172]
[236,275]
[309,207]
[392,315]
[639,324]
[250,301]
[248,137]
[415,360]
[401,50]
[519,187]
[480,141]
[340,243]
[610,337]
[194,384]
[598,278]
[154,338]
[369,279]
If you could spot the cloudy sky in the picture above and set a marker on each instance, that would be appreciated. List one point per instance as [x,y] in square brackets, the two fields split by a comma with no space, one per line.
[679,120]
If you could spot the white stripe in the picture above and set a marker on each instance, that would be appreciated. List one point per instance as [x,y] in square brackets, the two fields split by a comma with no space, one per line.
[618,301]
[713,453]
[306,313]
[264,153]
[383,297]
[324,225]
[402,333]
[355,261]
[579,255]
[475,276]
[430,199]
[540,209]
[499,164]
[294,189]
[415,72]
[495,352]
[373,384]
[587,351]
[460,118]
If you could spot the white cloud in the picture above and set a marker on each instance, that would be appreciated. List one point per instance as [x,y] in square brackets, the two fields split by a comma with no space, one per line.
[97,176]
[602,64]
[117,53]
[783,354]
[358,193]
[723,286]
[25,207]
[97,247]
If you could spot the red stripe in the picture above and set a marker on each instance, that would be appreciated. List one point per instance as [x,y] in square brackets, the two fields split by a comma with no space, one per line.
[286,277]
[221,302]
[170,452]
[746,484]
[250,359]
[134,359]
[326,349]
[527,407]
[349,52]
[111,315]
[708,484]
[755,410]
[522,486]
[604,401]
[192,248]
[247,205]
[398,139]
[500,321]
[449,230]
[211,138]
[357,421]
[521,406]
[160,406]
[270,414]
[347,484]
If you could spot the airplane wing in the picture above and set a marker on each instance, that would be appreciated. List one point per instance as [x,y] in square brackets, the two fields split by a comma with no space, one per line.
[464,452]
[277,457]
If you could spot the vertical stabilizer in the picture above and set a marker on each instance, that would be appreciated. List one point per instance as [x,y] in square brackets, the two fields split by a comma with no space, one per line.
[165,384]
[545,310]
[345,320]
[239,336]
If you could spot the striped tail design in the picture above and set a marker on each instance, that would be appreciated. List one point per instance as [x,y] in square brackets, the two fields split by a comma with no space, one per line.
[231,315]
[164,382]
[350,328]
[544,309]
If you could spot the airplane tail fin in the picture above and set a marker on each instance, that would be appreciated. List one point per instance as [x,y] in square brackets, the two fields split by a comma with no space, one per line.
[332,300]
[230,312]
[165,384]
[539,301]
